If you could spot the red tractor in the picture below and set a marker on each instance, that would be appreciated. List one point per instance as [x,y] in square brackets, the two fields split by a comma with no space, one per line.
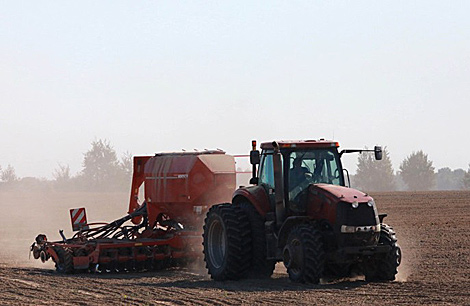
[299,211]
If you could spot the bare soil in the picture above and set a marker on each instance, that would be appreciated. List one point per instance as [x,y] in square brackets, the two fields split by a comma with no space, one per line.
[432,228]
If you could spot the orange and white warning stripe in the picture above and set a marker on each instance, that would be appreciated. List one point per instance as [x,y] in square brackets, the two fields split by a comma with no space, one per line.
[78,217]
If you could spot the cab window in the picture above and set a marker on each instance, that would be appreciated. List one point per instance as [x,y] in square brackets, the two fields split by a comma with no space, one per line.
[315,166]
[266,172]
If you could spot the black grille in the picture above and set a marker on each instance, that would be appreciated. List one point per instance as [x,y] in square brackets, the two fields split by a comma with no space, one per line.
[360,216]
[363,215]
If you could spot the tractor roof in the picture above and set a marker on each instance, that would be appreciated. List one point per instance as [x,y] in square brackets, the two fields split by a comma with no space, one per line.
[321,143]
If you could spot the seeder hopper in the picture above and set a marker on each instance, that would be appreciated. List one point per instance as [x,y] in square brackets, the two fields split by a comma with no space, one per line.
[165,228]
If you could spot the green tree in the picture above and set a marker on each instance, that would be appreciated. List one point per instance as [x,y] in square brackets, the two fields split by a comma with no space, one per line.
[126,168]
[417,171]
[126,164]
[62,174]
[8,175]
[375,175]
[447,179]
[100,166]
[466,179]
[63,179]
[102,170]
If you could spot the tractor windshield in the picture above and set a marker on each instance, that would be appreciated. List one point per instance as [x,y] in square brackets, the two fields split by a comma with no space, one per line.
[314,166]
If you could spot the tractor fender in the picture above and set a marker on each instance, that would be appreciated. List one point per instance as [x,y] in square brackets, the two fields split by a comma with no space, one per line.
[286,228]
[256,195]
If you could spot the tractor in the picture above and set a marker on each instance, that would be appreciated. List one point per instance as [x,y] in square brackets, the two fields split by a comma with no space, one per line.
[298,210]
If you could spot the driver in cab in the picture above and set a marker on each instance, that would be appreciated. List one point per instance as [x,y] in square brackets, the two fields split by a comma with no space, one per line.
[297,173]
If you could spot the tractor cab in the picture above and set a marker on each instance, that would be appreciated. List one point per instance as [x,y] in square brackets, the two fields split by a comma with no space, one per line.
[301,163]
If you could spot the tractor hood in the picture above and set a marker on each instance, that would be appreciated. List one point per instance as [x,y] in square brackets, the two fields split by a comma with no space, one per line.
[344,194]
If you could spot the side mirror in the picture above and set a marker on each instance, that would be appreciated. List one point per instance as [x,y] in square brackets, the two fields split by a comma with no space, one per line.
[254,157]
[378,152]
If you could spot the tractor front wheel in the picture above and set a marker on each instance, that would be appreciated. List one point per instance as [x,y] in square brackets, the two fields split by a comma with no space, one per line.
[384,267]
[304,256]
[227,242]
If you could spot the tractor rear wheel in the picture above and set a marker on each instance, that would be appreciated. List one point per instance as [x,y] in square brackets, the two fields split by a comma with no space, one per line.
[65,263]
[260,266]
[304,256]
[227,242]
[385,267]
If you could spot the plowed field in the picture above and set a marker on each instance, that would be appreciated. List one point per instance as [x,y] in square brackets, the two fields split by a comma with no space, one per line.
[432,228]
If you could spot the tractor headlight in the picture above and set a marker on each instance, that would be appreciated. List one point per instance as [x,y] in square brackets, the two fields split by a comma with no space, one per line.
[360,229]
[355,204]
[348,229]
[371,203]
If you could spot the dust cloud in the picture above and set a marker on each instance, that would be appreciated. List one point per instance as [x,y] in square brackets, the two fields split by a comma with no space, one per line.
[27,214]
[409,259]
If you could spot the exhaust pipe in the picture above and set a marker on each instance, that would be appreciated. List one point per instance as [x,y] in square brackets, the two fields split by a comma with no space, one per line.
[278,186]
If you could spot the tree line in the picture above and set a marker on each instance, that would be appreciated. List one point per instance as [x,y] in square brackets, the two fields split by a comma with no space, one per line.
[103,170]
[416,172]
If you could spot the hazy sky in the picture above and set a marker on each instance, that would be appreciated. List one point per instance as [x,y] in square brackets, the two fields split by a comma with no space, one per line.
[154,76]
